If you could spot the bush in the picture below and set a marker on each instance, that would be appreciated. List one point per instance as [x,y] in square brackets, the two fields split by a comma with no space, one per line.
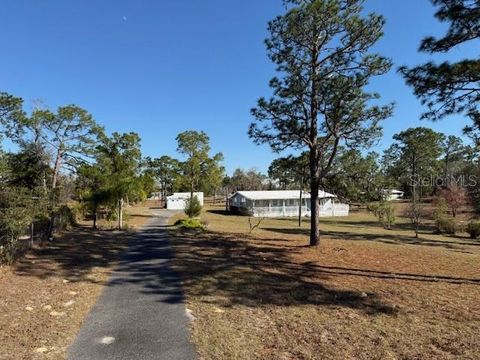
[373,208]
[16,215]
[447,225]
[473,228]
[79,210]
[441,211]
[41,227]
[190,224]
[385,213]
[193,208]
[65,218]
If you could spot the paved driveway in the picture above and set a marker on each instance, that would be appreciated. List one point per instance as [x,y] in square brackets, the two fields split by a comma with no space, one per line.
[141,312]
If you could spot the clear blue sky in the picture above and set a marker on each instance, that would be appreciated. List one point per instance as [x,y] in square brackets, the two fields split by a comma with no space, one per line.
[160,67]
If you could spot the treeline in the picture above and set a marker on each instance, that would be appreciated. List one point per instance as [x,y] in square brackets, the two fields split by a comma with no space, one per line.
[65,167]
[198,171]
[419,160]
[423,162]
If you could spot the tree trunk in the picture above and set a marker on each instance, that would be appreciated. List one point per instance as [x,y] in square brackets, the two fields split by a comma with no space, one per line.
[415,210]
[191,190]
[163,194]
[226,199]
[314,208]
[445,173]
[56,168]
[95,214]
[314,212]
[300,205]
[120,214]
[314,155]
[32,234]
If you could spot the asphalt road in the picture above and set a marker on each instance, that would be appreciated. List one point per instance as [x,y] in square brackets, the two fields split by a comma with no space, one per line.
[141,313]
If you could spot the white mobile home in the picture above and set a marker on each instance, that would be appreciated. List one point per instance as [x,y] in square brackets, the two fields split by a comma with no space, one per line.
[177,201]
[283,203]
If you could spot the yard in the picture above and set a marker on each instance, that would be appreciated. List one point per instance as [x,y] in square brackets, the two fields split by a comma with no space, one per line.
[365,293]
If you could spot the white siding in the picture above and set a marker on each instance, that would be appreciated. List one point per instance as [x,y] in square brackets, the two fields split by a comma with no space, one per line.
[178,201]
[287,207]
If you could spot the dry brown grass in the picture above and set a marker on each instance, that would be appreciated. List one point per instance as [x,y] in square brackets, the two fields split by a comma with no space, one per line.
[46,295]
[365,293]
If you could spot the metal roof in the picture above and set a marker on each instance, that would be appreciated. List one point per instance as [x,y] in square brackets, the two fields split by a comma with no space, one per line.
[280,194]
[393,191]
[184,195]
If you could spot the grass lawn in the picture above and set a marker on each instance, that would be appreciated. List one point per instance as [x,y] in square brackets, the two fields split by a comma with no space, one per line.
[365,293]
[47,294]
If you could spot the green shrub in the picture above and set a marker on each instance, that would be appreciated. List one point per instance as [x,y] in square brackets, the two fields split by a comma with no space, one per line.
[16,215]
[385,213]
[193,208]
[373,208]
[79,211]
[65,218]
[447,225]
[189,223]
[441,211]
[473,228]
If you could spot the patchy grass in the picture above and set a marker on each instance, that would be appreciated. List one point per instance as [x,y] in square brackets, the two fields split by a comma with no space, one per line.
[46,295]
[365,293]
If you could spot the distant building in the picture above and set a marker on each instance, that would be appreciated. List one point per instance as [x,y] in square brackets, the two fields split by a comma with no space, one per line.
[177,201]
[283,203]
[392,194]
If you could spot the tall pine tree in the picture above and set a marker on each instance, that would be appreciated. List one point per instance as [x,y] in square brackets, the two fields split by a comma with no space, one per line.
[321,49]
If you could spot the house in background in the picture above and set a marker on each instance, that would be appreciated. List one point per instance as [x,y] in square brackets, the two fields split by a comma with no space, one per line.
[283,203]
[178,201]
[392,194]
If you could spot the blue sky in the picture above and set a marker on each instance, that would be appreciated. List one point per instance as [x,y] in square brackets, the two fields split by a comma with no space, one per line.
[160,67]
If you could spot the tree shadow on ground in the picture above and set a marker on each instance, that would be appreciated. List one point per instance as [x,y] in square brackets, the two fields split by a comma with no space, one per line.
[228,270]
[217,268]
[375,224]
[224,270]
[73,255]
[222,212]
[150,216]
[239,272]
[393,239]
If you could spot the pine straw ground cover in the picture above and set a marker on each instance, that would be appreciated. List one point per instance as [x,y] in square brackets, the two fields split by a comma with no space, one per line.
[46,295]
[365,293]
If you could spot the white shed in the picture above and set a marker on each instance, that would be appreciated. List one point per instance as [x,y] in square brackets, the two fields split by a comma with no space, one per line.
[177,201]
[283,203]
[392,194]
